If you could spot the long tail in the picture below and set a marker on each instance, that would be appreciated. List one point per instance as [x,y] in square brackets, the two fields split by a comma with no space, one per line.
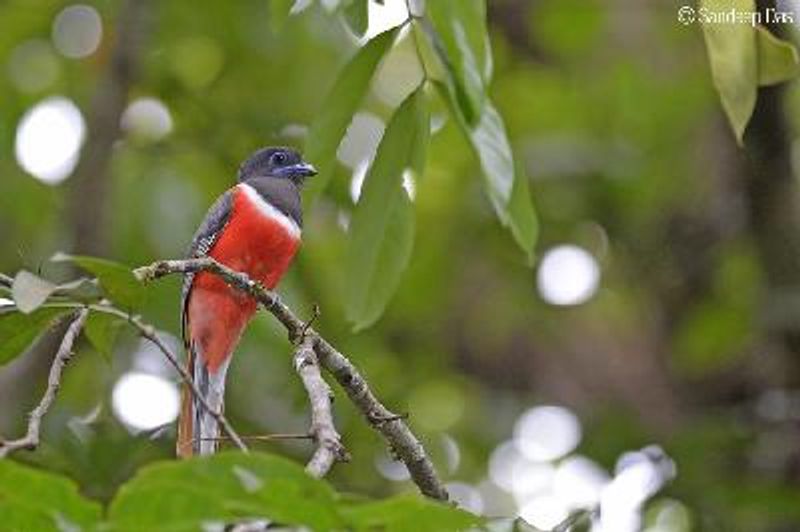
[198,430]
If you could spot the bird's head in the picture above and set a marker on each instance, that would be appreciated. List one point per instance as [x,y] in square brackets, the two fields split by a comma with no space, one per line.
[277,163]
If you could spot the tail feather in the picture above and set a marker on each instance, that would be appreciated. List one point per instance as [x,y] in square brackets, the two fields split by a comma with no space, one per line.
[198,430]
[183,447]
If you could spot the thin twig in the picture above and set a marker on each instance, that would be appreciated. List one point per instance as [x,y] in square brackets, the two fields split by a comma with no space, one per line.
[265,437]
[391,426]
[148,332]
[64,354]
[307,325]
[329,444]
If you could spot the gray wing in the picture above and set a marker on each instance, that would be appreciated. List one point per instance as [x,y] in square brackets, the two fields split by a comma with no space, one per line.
[215,220]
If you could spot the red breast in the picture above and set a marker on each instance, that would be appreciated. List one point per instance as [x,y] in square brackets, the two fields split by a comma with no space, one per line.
[258,240]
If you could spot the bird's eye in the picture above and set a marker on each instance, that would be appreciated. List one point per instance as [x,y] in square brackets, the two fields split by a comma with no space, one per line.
[279,159]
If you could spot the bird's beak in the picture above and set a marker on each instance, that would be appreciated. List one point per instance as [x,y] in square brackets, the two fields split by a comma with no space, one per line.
[301,170]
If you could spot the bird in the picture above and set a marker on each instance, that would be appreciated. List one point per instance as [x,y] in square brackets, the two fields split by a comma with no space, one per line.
[254,227]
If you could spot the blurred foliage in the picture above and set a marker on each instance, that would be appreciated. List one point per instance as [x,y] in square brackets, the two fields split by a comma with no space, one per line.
[617,129]
[197,494]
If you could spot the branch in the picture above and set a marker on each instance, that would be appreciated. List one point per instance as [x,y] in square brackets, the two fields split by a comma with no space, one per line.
[329,444]
[391,426]
[31,439]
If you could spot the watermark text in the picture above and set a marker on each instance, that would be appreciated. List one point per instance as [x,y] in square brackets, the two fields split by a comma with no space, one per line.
[689,15]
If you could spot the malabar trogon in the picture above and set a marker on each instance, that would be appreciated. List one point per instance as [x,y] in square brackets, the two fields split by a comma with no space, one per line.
[254,227]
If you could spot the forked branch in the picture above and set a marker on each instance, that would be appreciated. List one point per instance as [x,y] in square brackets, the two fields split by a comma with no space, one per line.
[31,439]
[329,444]
[392,427]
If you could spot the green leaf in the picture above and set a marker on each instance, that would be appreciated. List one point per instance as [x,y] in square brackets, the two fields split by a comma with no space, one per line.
[463,46]
[733,57]
[494,152]
[418,156]
[83,290]
[430,59]
[101,329]
[382,227]
[30,291]
[777,59]
[357,16]
[18,330]
[31,499]
[521,218]
[191,494]
[505,181]
[338,108]
[742,57]
[410,513]
[116,279]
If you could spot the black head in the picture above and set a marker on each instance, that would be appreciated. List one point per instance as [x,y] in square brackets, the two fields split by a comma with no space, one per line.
[279,163]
